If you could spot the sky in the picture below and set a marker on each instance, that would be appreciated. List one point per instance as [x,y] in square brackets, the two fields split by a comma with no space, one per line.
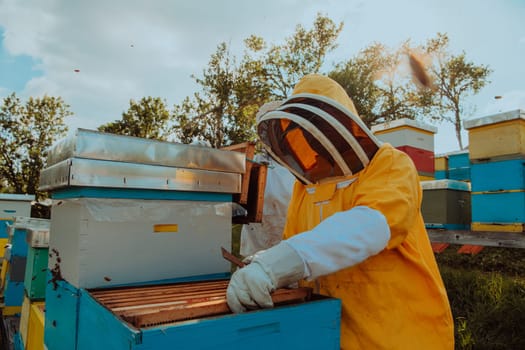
[99,54]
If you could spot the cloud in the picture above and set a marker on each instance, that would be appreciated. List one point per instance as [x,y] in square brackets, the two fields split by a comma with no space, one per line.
[99,54]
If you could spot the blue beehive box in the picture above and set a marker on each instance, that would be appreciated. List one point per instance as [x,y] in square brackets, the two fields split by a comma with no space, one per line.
[441,174]
[76,320]
[498,176]
[458,159]
[459,174]
[17,259]
[459,166]
[498,207]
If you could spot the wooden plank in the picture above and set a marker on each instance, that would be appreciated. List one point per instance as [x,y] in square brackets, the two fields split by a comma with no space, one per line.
[439,247]
[482,238]
[470,249]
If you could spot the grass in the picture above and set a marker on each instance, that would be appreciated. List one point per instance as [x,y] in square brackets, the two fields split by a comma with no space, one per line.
[487,296]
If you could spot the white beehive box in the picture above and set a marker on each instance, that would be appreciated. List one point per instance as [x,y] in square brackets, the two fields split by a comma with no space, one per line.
[406,132]
[106,242]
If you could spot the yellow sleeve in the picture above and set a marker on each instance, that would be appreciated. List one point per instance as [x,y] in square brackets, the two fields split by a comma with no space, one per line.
[390,184]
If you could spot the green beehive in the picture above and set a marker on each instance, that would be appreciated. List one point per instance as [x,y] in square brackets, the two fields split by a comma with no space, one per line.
[36,266]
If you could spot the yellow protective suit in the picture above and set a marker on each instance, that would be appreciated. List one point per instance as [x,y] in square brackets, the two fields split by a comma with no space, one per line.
[395,299]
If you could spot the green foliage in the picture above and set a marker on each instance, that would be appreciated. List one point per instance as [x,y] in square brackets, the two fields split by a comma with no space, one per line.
[26,132]
[378,82]
[455,78]
[301,54]
[147,119]
[374,80]
[223,112]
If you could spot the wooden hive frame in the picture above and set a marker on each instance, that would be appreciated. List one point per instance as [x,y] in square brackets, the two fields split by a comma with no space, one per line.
[146,306]
[253,185]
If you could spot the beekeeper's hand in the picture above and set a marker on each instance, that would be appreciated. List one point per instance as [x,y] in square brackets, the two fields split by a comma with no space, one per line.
[251,286]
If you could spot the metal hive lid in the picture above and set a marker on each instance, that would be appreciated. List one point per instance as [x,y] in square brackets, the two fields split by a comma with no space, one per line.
[92,144]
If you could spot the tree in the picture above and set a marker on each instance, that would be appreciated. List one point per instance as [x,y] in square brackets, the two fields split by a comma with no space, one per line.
[208,116]
[224,111]
[301,54]
[26,132]
[378,84]
[146,118]
[455,78]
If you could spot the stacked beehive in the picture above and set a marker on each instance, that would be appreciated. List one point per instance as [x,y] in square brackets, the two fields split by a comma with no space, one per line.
[32,317]
[14,264]
[414,138]
[497,154]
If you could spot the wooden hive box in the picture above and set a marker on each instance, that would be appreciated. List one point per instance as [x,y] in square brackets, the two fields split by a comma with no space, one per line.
[12,205]
[503,207]
[459,166]
[35,331]
[24,320]
[83,319]
[253,185]
[506,132]
[497,176]
[446,204]
[35,274]
[412,137]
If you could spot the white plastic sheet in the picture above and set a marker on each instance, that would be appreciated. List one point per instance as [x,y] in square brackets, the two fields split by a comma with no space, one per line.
[259,236]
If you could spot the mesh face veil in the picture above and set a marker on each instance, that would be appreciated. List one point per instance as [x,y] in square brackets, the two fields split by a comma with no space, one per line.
[316,137]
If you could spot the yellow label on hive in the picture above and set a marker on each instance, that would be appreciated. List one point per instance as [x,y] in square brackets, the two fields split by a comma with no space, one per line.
[158,228]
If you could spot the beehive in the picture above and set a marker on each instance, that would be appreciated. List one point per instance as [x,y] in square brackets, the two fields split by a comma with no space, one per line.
[503,207]
[84,319]
[35,329]
[12,205]
[441,166]
[506,132]
[497,176]
[412,137]
[24,320]
[35,274]
[441,162]
[17,260]
[459,166]
[446,204]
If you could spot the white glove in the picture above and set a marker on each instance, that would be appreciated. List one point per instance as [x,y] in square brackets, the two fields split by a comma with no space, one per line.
[251,286]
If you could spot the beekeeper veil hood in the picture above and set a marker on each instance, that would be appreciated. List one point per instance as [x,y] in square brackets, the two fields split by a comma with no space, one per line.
[317,133]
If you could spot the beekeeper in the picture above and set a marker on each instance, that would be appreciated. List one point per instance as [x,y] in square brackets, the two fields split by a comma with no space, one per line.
[354,229]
